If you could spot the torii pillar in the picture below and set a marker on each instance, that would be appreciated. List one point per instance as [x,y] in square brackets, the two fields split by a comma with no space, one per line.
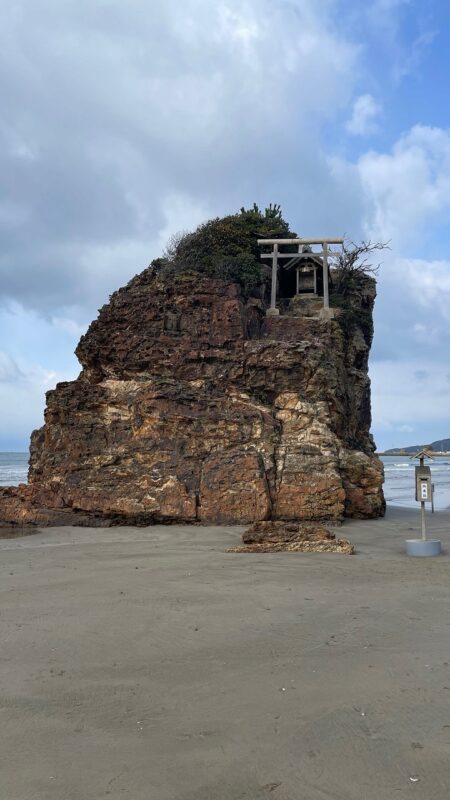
[273,311]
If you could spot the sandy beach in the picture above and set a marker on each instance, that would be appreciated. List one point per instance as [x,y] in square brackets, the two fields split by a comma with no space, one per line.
[149,664]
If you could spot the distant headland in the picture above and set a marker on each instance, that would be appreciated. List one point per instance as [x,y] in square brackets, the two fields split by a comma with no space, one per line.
[441,447]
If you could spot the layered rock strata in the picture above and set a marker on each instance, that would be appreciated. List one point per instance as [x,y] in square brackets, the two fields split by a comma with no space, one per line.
[193,405]
[291,537]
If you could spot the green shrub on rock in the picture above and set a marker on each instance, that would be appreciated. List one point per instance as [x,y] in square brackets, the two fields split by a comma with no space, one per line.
[225,247]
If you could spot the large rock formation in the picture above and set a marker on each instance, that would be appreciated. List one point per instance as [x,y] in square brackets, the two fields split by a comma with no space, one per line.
[193,405]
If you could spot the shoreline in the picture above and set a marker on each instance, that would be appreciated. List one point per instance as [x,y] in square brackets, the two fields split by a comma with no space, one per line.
[416,507]
[394,512]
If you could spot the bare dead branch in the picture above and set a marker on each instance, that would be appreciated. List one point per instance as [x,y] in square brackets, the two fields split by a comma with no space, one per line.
[355,262]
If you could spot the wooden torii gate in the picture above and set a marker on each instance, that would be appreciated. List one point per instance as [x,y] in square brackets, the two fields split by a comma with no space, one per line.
[294,258]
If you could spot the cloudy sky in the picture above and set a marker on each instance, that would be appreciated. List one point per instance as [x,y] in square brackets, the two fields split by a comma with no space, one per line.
[121,123]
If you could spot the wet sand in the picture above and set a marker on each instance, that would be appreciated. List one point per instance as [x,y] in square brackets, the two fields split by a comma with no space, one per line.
[149,664]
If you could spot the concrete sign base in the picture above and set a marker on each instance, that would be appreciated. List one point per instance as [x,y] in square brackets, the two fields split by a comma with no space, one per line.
[423,547]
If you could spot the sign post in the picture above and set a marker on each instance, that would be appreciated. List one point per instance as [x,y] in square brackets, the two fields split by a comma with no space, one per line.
[424,494]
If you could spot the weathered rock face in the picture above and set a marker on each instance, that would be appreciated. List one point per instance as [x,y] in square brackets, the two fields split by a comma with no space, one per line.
[291,537]
[193,405]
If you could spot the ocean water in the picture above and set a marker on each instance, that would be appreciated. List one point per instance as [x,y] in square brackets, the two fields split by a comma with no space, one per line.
[13,468]
[398,488]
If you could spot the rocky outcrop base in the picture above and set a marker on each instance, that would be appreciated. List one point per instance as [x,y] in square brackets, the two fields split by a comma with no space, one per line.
[276,537]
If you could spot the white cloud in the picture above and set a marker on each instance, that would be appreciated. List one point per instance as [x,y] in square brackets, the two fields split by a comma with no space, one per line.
[403,35]
[407,201]
[365,111]
[428,335]
[409,393]
[414,56]
[22,399]
[385,14]
[68,325]
[407,187]
[114,111]
[9,369]
[428,282]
